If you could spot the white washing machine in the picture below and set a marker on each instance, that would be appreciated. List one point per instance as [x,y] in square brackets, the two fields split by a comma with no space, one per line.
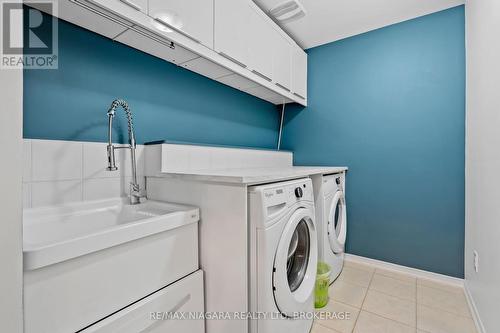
[331,218]
[283,257]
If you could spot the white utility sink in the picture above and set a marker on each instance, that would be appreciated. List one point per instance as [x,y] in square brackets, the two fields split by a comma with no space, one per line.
[55,234]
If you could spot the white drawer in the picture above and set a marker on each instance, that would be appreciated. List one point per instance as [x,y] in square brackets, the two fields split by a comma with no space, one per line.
[71,295]
[184,296]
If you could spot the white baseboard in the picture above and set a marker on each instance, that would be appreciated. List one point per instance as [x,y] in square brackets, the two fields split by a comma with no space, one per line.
[407,270]
[473,310]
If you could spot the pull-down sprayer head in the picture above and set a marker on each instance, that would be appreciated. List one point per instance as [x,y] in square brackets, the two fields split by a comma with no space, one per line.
[134,185]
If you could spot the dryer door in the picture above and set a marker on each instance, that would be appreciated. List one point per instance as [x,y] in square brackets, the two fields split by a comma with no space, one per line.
[337,222]
[295,261]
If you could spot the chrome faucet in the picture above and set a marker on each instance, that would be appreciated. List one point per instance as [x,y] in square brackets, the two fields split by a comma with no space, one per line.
[135,197]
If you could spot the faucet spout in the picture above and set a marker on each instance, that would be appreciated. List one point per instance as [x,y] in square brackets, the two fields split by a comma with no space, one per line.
[134,185]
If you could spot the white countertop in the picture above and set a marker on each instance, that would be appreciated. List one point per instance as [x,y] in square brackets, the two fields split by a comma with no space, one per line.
[254,176]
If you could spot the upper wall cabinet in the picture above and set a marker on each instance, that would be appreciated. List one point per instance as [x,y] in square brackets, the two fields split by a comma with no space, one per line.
[282,61]
[231,41]
[260,44]
[140,5]
[299,72]
[192,18]
[232,30]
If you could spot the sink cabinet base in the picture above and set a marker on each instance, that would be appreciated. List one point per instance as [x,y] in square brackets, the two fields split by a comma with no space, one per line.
[71,295]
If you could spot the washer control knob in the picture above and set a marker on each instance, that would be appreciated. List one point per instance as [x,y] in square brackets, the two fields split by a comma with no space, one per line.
[298,192]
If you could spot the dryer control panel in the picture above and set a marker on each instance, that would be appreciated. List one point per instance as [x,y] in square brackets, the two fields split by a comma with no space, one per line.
[333,183]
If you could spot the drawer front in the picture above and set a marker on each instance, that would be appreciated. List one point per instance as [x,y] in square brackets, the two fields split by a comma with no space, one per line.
[150,314]
[71,295]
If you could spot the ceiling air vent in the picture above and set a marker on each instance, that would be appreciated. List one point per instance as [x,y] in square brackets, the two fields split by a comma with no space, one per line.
[288,11]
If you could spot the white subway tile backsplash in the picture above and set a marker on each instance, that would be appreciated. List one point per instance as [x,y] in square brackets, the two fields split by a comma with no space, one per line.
[57,172]
[55,192]
[95,161]
[102,188]
[56,160]
[124,161]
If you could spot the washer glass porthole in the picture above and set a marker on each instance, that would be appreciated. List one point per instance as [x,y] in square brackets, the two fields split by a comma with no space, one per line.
[298,255]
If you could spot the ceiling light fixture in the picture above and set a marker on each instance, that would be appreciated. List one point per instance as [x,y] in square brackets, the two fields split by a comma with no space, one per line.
[288,11]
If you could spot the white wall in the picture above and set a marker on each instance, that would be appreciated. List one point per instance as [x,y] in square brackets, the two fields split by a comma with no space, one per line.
[11,117]
[483,158]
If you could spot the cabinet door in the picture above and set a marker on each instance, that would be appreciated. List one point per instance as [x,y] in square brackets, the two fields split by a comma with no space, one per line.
[282,61]
[232,30]
[299,72]
[192,18]
[140,5]
[260,43]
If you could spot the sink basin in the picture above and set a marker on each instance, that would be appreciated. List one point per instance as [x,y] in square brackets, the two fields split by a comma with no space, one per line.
[56,234]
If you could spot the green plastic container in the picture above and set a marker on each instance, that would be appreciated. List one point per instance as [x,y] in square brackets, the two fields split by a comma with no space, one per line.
[322,283]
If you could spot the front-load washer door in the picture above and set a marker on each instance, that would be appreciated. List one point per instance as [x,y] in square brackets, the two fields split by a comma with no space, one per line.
[337,223]
[294,270]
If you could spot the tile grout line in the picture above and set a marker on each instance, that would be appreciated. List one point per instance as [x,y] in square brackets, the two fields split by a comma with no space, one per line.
[400,298]
[368,288]
[364,298]
[390,319]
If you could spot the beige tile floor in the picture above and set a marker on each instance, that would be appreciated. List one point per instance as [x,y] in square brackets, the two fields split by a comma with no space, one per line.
[380,301]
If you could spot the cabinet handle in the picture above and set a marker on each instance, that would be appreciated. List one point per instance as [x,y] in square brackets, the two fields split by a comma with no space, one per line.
[299,95]
[262,75]
[225,55]
[98,12]
[282,86]
[131,4]
[169,26]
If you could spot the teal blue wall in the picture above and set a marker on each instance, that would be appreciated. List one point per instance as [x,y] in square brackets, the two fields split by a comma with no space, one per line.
[390,105]
[168,102]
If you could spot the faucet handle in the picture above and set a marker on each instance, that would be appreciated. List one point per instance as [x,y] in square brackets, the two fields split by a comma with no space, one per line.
[135,194]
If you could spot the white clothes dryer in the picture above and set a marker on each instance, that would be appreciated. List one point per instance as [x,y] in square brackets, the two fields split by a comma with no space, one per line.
[283,256]
[331,218]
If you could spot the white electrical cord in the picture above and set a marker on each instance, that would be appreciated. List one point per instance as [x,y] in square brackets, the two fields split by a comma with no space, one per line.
[281,125]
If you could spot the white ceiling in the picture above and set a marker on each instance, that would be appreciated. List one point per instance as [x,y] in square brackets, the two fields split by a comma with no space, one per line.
[330,20]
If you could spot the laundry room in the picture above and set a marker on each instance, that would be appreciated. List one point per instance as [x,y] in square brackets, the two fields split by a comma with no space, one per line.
[249,166]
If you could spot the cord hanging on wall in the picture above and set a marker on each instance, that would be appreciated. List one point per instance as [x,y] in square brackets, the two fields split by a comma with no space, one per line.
[281,125]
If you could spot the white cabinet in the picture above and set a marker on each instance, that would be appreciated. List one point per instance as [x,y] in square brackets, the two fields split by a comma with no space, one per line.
[150,314]
[216,38]
[282,61]
[140,5]
[192,18]
[232,30]
[299,72]
[154,44]
[260,44]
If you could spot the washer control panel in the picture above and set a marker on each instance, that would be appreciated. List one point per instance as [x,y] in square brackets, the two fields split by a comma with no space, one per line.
[287,192]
